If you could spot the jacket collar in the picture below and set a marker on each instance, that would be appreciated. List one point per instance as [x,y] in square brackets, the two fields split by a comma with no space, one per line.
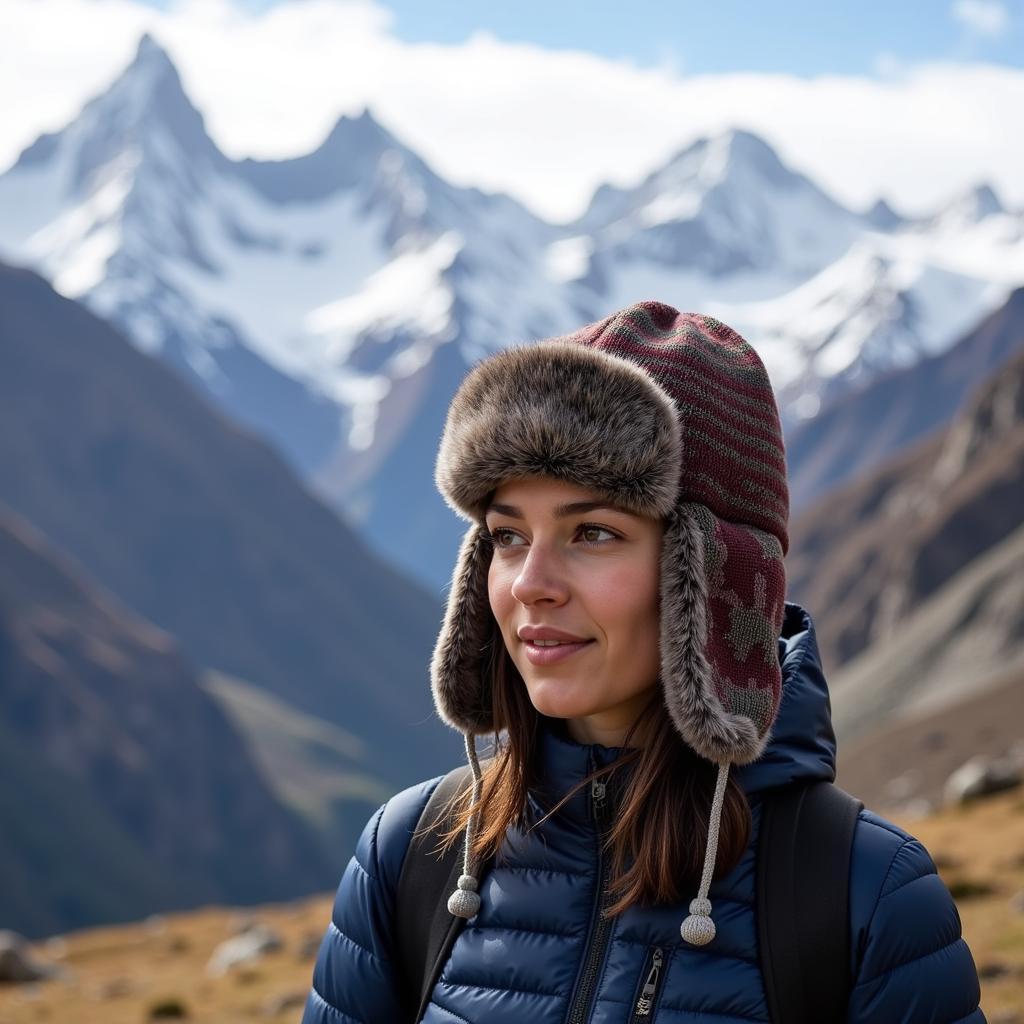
[564,764]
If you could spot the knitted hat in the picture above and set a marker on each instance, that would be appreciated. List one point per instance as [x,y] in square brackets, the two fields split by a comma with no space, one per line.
[669,415]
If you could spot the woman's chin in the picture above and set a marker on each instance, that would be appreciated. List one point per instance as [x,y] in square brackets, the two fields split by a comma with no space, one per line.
[559,699]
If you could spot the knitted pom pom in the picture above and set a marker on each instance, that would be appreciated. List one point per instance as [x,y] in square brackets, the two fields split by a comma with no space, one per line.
[698,929]
[465,901]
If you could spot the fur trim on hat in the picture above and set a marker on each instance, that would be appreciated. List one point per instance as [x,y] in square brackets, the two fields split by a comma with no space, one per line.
[562,410]
[461,688]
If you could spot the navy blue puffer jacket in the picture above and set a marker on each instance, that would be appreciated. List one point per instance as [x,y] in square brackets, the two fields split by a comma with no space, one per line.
[522,959]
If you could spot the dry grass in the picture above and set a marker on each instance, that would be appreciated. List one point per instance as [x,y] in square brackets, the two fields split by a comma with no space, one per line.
[978,847]
[118,975]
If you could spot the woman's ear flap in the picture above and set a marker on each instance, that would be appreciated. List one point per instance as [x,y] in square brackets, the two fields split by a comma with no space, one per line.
[458,668]
[722,596]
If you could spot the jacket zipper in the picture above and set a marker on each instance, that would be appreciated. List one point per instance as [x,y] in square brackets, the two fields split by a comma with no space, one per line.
[652,984]
[601,927]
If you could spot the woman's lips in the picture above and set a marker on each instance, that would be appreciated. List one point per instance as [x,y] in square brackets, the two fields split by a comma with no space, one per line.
[549,655]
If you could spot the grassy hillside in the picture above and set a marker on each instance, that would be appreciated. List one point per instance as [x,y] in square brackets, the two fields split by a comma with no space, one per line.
[121,975]
[314,767]
[979,850]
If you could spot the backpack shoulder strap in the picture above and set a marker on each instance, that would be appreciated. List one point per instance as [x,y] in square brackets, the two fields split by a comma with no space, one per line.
[425,930]
[803,901]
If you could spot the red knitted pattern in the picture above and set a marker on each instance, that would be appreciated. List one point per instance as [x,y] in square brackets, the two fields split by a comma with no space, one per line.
[746,582]
[734,461]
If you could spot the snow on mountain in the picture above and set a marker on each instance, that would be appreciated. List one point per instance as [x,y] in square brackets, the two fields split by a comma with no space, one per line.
[723,206]
[878,308]
[253,276]
[893,298]
[333,301]
[964,211]
[116,210]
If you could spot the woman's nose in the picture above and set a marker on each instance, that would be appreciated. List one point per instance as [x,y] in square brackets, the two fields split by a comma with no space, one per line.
[539,578]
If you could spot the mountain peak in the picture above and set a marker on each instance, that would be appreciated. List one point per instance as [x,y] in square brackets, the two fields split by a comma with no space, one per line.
[748,144]
[973,205]
[149,84]
[145,102]
[734,152]
[149,53]
[361,132]
[883,216]
[987,200]
[755,154]
[348,155]
[733,173]
[148,91]
[353,152]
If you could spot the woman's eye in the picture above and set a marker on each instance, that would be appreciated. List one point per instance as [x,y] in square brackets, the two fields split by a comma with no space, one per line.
[587,530]
[498,535]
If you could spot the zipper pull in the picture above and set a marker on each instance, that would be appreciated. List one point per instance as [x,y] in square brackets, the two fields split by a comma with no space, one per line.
[598,792]
[645,1003]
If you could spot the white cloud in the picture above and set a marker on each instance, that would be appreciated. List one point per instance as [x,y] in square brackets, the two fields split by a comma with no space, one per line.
[546,126]
[986,17]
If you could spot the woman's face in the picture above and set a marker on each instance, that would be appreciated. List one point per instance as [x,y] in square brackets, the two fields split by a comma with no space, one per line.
[566,562]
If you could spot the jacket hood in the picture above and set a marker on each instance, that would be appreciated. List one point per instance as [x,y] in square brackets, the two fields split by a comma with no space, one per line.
[802,745]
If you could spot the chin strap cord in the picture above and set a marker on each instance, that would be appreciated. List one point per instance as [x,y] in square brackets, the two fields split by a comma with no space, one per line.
[698,929]
[465,900]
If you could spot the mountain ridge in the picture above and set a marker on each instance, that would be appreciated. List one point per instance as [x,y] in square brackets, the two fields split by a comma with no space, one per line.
[332,301]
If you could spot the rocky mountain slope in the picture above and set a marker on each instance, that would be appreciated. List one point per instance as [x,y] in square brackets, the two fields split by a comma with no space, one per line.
[904,764]
[951,648]
[868,556]
[126,790]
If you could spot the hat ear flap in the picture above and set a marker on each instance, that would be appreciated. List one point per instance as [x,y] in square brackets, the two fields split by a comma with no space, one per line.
[458,674]
[723,698]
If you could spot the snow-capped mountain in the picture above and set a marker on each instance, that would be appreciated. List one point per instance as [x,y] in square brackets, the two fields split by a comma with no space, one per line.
[323,276]
[723,207]
[894,297]
[880,307]
[333,301]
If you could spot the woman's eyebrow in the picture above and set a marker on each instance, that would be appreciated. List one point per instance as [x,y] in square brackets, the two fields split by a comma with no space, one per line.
[561,511]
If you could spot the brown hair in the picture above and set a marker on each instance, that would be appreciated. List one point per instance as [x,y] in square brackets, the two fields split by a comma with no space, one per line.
[658,840]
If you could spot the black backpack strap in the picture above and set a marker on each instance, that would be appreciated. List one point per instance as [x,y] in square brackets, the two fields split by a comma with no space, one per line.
[803,902]
[425,929]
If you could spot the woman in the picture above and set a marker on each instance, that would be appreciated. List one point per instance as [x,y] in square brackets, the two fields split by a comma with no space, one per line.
[617,623]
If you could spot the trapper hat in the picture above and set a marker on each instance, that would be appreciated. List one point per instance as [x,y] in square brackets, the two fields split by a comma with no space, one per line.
[670,415]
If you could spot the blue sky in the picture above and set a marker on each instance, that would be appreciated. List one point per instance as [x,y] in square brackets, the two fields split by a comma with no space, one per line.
[804,37]
[796,36]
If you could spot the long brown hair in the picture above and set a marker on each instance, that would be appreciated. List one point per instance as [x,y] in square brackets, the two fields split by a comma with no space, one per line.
[658,840]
